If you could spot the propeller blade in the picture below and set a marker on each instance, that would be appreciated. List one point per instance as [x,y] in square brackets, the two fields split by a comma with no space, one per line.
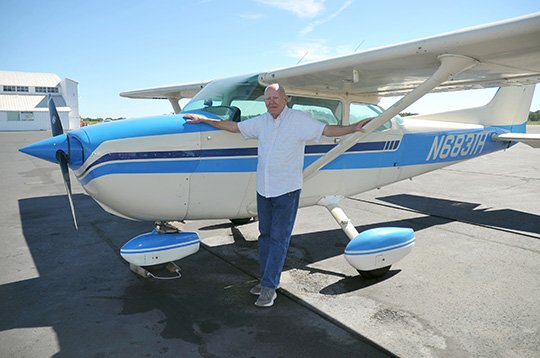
[56,123]
[61,156]
[63,160]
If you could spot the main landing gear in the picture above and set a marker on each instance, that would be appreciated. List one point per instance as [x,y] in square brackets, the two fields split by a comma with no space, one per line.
[373,251]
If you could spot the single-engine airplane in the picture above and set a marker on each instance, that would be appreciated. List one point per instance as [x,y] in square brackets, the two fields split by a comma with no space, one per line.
[164,169]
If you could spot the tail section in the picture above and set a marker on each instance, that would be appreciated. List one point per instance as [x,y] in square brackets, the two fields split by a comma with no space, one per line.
[509,108]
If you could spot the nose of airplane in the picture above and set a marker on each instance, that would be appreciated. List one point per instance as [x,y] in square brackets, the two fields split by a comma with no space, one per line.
[47,148]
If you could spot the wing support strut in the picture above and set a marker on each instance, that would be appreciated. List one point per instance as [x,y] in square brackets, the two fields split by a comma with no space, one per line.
[451,65]
[175,104]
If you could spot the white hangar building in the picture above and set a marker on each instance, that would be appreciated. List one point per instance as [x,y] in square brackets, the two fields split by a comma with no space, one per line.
[23,101]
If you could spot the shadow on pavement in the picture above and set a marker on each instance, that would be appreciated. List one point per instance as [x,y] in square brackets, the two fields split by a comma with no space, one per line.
[468,212]
[97,307]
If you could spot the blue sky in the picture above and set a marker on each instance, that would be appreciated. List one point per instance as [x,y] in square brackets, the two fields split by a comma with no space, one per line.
[113,46]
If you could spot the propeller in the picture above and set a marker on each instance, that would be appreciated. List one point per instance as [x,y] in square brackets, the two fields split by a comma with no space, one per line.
[61,156]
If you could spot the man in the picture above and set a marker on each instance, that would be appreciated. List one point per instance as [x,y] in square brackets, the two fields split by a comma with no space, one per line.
[282,133]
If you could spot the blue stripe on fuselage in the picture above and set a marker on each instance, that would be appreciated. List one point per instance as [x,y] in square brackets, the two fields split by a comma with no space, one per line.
[413,149]
[233,160]
[194,154]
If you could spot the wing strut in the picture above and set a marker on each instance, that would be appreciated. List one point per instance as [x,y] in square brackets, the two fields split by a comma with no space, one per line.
[451,65]
[175,104]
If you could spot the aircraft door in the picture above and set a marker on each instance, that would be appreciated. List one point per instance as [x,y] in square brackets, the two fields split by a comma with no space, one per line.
[379,150]
[225,179]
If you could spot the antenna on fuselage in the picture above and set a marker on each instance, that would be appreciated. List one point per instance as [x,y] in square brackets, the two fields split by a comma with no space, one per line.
[357,47]
[300,60]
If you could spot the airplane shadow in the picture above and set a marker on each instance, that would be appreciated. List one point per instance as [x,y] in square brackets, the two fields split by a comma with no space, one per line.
[68,271]
[77,284]
[508,219]
[79,276]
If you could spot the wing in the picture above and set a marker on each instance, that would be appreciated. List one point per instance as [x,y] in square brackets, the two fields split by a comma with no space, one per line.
[499,54]
[175,92]
[507,53]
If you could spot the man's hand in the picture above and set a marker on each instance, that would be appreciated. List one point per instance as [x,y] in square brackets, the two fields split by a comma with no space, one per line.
[359,127]
[194,118]
[229,126]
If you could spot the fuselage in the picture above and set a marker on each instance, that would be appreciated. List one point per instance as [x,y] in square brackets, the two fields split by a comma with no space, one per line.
[163,168]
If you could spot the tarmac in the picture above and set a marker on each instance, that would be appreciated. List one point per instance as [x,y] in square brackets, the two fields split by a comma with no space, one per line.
[471,287]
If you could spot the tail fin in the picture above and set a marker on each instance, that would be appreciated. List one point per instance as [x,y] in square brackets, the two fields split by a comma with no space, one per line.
[509,107]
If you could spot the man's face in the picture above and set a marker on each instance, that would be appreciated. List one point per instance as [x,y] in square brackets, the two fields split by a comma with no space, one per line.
[275,101]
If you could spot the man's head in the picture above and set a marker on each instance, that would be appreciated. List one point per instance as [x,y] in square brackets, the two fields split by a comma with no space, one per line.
[275,99]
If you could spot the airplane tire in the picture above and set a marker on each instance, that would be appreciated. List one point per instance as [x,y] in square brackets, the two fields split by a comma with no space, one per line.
[377,273]
[242,221]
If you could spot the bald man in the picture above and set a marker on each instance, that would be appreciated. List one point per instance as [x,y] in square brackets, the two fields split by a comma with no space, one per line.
[282,134]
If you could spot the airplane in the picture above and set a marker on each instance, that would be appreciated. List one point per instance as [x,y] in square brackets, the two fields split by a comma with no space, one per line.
[165,169]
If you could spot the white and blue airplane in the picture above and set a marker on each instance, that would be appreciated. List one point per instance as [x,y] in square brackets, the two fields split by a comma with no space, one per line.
[164,169]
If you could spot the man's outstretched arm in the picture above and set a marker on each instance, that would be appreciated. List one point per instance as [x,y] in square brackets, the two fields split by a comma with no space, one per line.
[337,131]
[229,126]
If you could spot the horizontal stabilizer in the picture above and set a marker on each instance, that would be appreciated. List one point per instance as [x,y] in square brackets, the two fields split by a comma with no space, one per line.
[531,139]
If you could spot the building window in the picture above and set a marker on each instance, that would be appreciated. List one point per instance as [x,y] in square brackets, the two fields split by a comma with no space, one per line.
[20,116]
[13,116]
[47,89]
[27,116]
[16,88]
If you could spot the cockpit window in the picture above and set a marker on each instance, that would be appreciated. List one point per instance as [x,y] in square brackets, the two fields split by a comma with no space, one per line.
[324,110]
[243,92]
[241,98]
[360,111]
[246,94]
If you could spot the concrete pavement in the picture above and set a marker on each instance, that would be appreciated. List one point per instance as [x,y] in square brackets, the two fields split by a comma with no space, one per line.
[470,287]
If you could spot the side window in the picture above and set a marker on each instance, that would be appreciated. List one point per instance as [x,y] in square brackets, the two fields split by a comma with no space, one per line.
[360,111]
[321,114]
[250,108]
[324,110]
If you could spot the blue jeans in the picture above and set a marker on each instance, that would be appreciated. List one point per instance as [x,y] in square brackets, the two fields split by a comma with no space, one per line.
[276,221]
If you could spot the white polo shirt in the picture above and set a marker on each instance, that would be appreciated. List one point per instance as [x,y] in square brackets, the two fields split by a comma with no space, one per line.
[281,149]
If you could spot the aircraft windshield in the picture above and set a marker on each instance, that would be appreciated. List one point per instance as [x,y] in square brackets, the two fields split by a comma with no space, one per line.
[240,98]
[243,92]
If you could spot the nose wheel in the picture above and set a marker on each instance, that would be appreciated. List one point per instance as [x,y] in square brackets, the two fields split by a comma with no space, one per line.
[168,271]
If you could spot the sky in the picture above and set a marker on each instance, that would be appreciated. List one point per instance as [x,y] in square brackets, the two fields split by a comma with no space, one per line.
[111,46]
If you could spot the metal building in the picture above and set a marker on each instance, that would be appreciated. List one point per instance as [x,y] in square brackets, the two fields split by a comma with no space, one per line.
[23,101]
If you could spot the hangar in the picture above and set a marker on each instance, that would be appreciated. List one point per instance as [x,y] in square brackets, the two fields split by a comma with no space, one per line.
[23,101]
